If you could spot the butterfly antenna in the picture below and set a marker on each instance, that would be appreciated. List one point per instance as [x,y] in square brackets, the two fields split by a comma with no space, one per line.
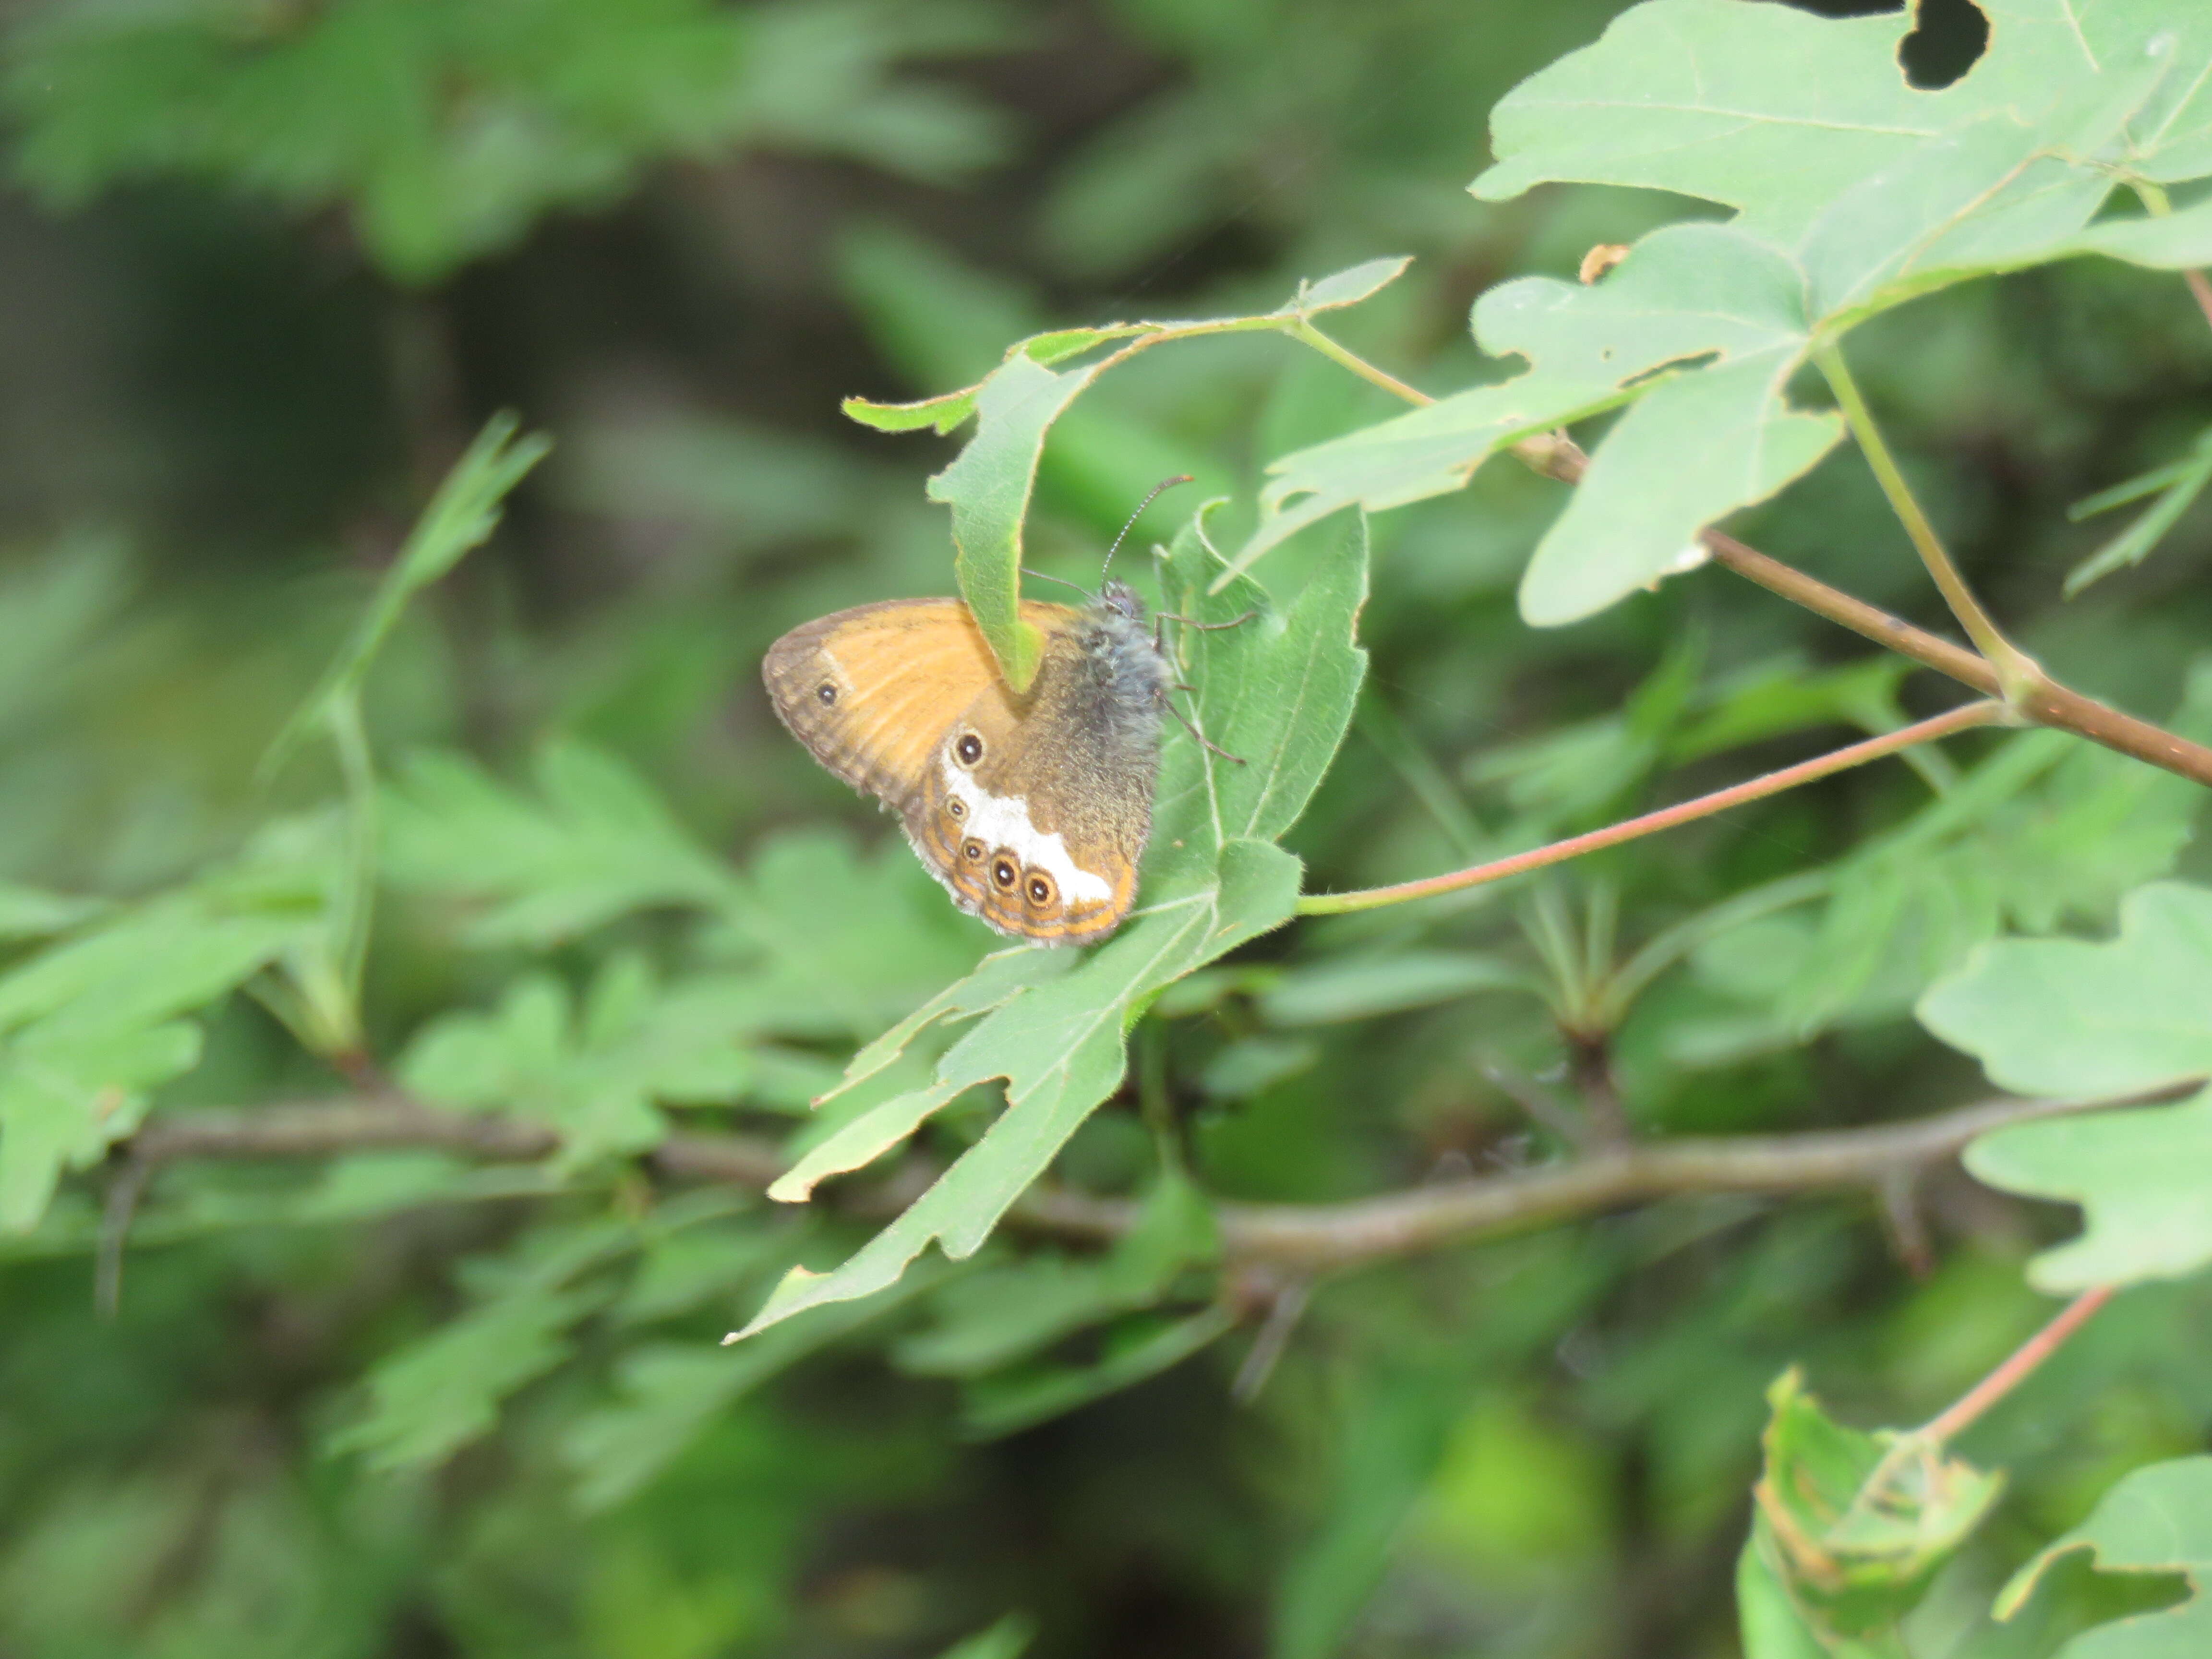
[1165,483]
[1047,576]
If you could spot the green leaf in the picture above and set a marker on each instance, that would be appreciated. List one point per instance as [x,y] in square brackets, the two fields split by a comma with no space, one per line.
[68,1091]
[989,483]
[1009,1638]
[2140,1177]
[1142,1347]
[90,1025]
[428,1400]
[939,415]
[32,912]
[2155,1520]
[594,1072]
[1687,294]
[2065,1017]
[1769,1622]
[843,940]
[2176,486]
[1348,287]
[1853,1527]
[996,1317]
[1277,691]
[1853,192]
[460,517]
[832,942]
[666,1393]
[595,844]
[2068,1017]
[1698,98]
[1361,987]
[567,101]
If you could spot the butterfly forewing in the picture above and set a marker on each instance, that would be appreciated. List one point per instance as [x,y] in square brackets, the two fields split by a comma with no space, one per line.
[871,691]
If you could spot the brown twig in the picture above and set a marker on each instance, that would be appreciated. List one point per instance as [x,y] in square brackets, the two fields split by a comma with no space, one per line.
[1306,1238]
[2046,703]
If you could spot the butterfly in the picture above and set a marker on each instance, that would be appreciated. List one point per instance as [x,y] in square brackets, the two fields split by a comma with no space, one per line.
[1033,810]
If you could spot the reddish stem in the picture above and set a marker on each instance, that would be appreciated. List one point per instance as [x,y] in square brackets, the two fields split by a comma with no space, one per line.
[1957,719]
[2016,1370]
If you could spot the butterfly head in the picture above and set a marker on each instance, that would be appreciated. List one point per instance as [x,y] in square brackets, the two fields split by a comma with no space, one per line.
[1121,601]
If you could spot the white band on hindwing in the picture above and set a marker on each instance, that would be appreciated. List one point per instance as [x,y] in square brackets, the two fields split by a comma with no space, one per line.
[1004,821]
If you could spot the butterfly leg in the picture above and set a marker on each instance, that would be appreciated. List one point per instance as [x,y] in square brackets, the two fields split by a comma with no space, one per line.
[1206,742]
[1208,627]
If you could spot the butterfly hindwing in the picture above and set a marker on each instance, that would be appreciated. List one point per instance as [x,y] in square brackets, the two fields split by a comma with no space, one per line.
[1033,812]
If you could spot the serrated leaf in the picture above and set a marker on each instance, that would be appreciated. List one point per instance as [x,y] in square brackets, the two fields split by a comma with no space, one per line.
[2155,1520]
[431,1398]
[2068,1017]
[68,1091]
[1693,293]
[90,1025]
[597,1072]
[846,938]
[989,483]
[594,844]
[1853,191]
[1277,691]
[691,1266]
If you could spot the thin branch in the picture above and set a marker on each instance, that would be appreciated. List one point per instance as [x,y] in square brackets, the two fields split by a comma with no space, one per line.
[1306,1238]
[1426,1218]
[1553,455]
[1957,719]
[2048,703]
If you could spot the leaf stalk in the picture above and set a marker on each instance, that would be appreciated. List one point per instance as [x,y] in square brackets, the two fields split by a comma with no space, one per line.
[2018,673]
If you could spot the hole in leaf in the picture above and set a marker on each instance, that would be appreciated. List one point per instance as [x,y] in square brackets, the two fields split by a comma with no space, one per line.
[1950,38]
[1673,365]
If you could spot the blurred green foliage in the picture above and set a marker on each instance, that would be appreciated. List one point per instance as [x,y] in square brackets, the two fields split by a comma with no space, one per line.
[269,264]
